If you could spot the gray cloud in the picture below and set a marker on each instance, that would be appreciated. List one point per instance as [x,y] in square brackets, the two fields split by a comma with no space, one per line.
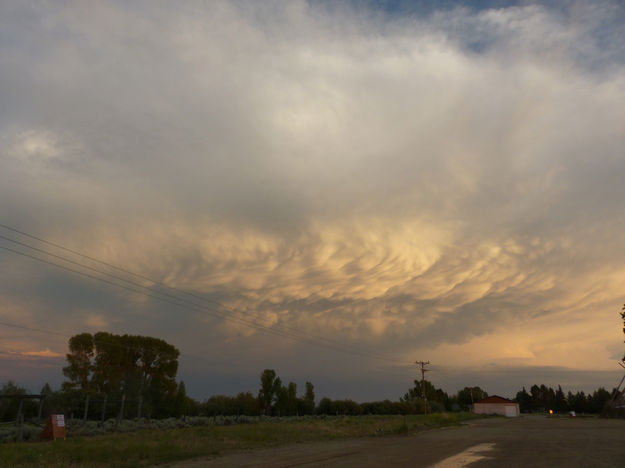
[393,183]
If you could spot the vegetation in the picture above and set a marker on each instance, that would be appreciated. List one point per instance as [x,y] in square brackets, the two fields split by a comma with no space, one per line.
[148,447]
[127,383]
[542,398]
[124,365]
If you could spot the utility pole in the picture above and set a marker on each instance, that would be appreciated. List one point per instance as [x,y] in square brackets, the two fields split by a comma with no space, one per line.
[423,371]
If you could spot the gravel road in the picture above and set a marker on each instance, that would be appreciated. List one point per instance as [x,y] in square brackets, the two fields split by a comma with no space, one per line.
[528,441]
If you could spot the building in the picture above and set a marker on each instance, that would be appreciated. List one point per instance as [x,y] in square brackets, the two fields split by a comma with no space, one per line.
[497,405]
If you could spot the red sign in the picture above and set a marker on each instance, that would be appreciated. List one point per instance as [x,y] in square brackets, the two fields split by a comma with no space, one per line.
[55,427]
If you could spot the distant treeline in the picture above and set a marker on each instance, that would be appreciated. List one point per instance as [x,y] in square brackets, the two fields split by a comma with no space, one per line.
[542,398]
[133,376]
[276,399]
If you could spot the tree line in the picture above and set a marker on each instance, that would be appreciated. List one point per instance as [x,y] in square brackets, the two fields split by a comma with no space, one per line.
[541,398]
[128,376]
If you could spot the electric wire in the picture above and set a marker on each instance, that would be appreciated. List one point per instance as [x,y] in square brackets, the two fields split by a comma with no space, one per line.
[303,334]
[251,324]
[181,302]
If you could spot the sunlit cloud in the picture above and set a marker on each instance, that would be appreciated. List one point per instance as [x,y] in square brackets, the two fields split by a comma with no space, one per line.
[447,185]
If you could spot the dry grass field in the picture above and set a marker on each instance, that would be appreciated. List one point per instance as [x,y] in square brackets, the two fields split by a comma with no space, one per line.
[150,447]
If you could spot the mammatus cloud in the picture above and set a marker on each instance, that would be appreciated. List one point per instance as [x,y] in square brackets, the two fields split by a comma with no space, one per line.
[447,185]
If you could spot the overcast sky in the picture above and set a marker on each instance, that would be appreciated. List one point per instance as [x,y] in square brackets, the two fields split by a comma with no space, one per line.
[368,183]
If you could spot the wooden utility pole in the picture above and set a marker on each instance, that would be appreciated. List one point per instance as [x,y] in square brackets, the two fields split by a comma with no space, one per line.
[423,371]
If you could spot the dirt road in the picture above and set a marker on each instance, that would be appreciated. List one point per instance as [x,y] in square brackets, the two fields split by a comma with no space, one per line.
[528,441]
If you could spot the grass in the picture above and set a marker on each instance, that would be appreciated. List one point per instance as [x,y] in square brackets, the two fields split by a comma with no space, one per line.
[149,447]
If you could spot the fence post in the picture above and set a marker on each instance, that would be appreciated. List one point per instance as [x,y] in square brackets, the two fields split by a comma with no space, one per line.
[140,404]
[84,418]
[19,422]
[19,412]
[41,400]
[104,408]
[20,433]
[121,410]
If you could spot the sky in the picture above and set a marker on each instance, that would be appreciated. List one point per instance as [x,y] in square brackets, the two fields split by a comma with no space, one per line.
[344,188]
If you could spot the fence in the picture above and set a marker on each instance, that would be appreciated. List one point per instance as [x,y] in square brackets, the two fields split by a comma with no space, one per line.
[87,406]
[19,418]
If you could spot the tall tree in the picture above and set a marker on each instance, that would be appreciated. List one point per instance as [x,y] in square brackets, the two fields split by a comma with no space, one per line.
[524,400]
[469,395]
[291,399]
[437,399]
[181,403]
[309,398]
[80,363]
[131,364]
[559,404]
[270,385]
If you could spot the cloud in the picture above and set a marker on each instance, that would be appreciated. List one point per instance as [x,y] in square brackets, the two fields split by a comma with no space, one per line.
[46,353]
[417,184]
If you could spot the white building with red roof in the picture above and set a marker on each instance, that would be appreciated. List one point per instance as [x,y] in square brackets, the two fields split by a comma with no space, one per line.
[497,405]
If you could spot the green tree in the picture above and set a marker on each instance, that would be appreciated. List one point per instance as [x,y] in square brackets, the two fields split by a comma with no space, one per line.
[219,405]
[281,401]
[598,400]
[470,395]
[524,400]
[124,364]
[245,403]
[559,404]
[270,385]
[291,399]
[325,406]
[536,398]
[181,402]
[80,363]
[9,406]
[437,399]
[309,399]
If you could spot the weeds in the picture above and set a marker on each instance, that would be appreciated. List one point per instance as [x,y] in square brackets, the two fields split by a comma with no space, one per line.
[146,447]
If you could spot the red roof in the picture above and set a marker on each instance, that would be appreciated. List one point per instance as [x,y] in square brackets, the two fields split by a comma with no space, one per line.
[495,399]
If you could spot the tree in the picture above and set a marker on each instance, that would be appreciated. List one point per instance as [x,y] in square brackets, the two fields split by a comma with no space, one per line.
[598,400]
[291,399]
[280,405]
[524,400]
[309,399]
[81,363]
[270,385]
[536,398]
[245,403]
[325,406]
[123,364]
[181,403]
[469,395]
[559,404]
[437,399]
[9,406]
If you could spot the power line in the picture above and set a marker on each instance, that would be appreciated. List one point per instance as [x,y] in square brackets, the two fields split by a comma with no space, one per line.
[216,314]
[175,300]
[24,327]
[304,334]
